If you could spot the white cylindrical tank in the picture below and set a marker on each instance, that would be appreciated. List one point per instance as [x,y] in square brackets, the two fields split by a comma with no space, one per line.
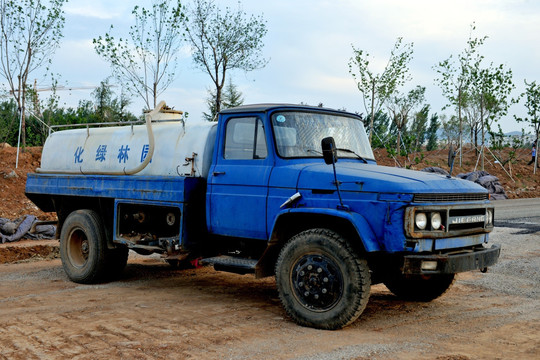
[117,149]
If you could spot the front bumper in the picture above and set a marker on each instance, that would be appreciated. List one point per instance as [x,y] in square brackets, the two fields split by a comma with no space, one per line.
[476,259]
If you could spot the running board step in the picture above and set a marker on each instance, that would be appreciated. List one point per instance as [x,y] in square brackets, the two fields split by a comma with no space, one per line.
[232,264]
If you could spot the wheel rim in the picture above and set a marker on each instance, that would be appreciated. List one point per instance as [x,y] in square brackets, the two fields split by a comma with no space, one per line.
[317,282]
[78,248]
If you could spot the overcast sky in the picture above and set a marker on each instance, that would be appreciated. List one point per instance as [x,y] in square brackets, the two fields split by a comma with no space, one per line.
[309,45]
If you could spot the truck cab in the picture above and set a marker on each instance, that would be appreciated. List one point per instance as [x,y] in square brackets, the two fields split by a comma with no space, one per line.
[275,190]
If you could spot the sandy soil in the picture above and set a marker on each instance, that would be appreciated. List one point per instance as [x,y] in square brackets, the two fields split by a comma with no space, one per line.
[155,312]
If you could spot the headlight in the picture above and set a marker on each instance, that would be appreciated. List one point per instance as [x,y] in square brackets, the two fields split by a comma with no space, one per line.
[420,221]
[489,216]
[435,221]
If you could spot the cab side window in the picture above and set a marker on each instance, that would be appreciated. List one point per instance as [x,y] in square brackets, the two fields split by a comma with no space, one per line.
[245,139]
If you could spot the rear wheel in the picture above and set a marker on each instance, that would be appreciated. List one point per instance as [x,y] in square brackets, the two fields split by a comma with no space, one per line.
[83,247]
[419,287]
[321,281]
[116,260]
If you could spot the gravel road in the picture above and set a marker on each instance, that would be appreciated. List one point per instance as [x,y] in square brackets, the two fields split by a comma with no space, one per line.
[155,312]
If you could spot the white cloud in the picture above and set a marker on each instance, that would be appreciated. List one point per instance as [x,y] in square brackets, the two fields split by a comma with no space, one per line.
[94,9]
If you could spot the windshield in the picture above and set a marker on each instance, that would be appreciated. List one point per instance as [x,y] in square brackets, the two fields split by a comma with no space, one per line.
[299,134]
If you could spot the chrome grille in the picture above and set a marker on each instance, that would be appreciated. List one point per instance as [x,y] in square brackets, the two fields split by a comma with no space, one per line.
[464,219]
[449,197]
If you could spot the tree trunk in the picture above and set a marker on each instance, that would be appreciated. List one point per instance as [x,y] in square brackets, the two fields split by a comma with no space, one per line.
[476,130]
[460,127]
[483,132]
[155,94]
[398,142]
[535,165]
[23,121]
[218,100]
[372,111]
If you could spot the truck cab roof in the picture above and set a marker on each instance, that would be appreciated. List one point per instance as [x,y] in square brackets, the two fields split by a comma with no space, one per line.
[265,107]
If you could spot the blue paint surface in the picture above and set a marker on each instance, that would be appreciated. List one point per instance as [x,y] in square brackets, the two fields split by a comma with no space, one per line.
[150,188]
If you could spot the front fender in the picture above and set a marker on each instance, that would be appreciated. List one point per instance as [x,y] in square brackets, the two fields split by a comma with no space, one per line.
[360,224]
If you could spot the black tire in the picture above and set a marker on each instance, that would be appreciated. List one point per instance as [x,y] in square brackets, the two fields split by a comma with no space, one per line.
[418,287]
[322,283]
[83,248]
[116,260]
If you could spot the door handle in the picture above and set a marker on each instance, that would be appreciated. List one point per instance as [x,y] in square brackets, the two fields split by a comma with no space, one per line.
[216,173]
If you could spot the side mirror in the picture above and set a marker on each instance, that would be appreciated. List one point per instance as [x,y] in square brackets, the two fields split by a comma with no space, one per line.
[329,151]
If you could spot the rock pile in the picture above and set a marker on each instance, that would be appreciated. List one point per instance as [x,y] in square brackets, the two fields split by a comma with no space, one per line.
[27,227]
[483,178]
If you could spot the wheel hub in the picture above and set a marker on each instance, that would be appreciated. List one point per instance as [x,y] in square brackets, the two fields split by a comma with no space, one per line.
[85,248]
[317,281]
[78,248]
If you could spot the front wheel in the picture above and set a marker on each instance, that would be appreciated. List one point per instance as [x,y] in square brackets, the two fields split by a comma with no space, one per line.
[83,247]
[419,287]
[321,281]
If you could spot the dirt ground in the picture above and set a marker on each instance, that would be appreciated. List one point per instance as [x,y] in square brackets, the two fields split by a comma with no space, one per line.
[156,312]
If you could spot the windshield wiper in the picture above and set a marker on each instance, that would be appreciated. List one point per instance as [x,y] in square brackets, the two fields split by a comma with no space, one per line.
[352,152]
[314,151]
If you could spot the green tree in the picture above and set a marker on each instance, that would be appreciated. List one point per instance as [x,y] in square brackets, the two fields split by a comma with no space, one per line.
[8,123]
[107,107]
[472,117]
[224,40]
[491,87]
[400,107]
[231,97]
[376,89]
[532,103]
[146,61]
[450,129]
[211,115]
[120,105]
[103,100]
[418,128]
[432,132]
[454,78]
[380,128]
[30,34]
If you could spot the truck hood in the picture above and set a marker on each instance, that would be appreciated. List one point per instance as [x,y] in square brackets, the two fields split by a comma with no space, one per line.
[380,179]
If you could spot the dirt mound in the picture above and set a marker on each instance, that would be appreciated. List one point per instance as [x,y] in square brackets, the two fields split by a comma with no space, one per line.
[13,202]
[516,177]
[28,252]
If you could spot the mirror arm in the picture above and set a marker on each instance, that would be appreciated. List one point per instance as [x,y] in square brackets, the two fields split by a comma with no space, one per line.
[329,147]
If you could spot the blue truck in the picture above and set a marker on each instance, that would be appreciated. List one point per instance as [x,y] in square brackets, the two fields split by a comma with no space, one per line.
[271,189]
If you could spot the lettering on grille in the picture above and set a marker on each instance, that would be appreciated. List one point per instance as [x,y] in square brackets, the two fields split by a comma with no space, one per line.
[467,219]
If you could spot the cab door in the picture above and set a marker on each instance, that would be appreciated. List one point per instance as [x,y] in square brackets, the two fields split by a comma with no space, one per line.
[238,180]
